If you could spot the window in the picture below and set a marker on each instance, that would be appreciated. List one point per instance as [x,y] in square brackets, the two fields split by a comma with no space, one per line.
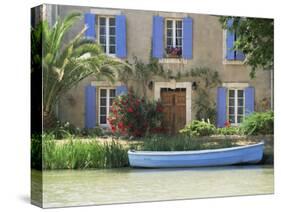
[231,56]
[107,34]
[174,37]
[106,99]
[236,106]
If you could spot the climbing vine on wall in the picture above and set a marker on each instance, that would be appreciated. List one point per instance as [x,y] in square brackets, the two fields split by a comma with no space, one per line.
[206,80]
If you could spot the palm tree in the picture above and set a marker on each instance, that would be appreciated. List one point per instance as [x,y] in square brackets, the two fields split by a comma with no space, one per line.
[64,64]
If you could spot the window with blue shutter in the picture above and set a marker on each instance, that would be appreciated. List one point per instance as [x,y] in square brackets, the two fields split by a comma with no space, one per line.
[107,34]
[121,90]
[249,100]
[187,38]
[90,20]
[174,38]
[231,37]
[221,106]
[121,47]
[90,107]
[157,37]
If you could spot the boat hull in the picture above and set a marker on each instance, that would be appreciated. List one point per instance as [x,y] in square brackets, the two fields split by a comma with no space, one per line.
[218,157]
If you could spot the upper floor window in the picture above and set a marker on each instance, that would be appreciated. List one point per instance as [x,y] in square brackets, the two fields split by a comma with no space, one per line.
[107,34]
[236,106]
[231,37]
[174,36]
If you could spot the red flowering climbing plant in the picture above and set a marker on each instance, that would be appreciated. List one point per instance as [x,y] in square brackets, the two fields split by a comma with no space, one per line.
[131,115]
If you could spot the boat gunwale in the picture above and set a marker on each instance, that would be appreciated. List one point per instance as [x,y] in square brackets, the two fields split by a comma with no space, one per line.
[205,151]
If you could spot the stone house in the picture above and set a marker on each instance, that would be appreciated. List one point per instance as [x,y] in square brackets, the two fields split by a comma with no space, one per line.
[180,42]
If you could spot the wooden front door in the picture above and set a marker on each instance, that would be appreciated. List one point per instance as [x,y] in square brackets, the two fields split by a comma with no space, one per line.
[174,103]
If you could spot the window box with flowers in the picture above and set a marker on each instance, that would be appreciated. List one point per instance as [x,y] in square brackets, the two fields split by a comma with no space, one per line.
[173,52]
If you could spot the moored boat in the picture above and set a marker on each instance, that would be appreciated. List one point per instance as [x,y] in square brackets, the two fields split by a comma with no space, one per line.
[214,157]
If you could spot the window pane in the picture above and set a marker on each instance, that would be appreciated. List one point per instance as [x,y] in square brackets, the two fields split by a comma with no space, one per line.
[169,32]
[169,42]
[231,93]
[103,119]
[240,111]
[112,50]
[169,24]
[103,92]
[112,22]
[102,31]
[240,119]
[112,92]
[112,30]
[231,119]
[179,33]
[231,102]
[112,40]
[103,101]
[102,40]
[179,42]
[179,24]
[231,110]
[103,110]
[240,102]
[102,21]
[240,93]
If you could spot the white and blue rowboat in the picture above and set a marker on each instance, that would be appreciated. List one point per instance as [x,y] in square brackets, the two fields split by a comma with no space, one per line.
[215,157]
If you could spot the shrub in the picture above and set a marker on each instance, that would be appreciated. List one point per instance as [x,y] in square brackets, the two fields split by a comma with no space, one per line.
[97,131]
[63,130]
[228,131]
[258,123]
[198,128]
[130,115]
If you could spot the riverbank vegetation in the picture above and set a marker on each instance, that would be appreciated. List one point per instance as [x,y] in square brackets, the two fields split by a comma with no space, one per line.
[76,154]
[96,152]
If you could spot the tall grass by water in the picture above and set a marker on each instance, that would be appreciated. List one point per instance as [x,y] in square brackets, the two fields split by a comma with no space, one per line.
[78,154]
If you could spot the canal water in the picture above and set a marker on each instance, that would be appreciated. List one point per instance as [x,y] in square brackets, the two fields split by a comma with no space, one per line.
[87,187]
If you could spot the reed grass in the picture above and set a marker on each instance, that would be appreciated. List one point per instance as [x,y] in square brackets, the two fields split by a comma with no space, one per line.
[76,154]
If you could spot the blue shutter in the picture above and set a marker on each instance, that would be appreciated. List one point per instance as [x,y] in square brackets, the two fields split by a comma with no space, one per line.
[120,90]
[157,37]
[121,50]
[249,100]
[187,38]
[90,106]
[229,41]
[221,106]
[90,20]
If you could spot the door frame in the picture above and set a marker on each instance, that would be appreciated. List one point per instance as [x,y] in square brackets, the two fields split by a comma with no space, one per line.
[173,85]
